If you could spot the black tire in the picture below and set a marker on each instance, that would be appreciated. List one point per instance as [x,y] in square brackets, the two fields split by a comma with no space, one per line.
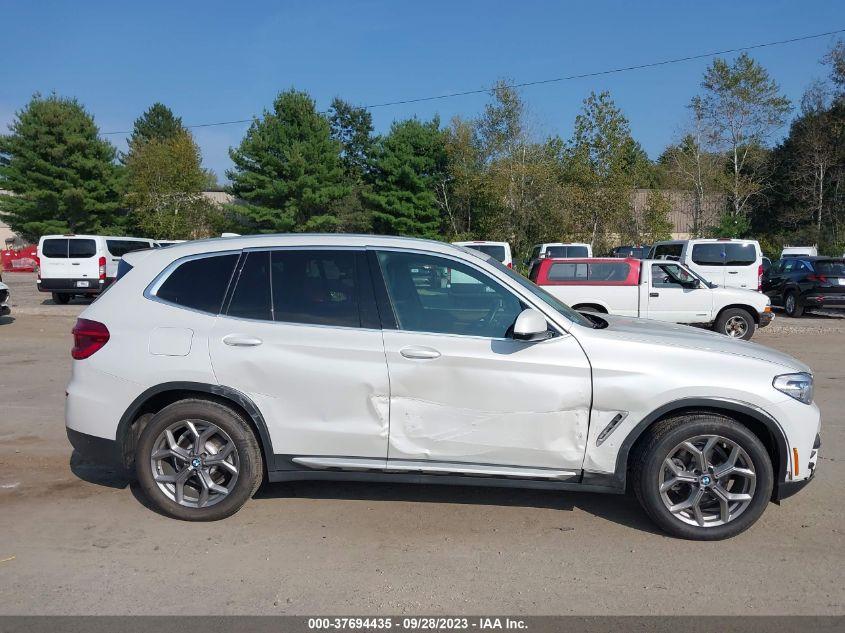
[662,438]
[250,467]
[792,305]
[729,319]
[62,298]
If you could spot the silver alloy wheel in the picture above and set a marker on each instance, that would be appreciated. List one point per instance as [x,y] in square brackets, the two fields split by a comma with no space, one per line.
[790,303]
[736,327]
[707,480]
[195,463]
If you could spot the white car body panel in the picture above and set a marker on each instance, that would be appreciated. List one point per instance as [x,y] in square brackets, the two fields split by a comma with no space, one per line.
[326,392]
[745,277]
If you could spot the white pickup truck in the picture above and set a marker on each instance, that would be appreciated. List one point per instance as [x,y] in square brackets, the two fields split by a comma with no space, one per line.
[653,289]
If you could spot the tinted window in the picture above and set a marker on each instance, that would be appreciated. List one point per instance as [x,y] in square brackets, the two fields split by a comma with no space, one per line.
[709,254]
[54,248]
[667,251]
[568,272]
[788,265]
[740,254]
[81,249]
[490,249]
[119,248]
[317,287]
[607,272]
[199,283]
[566,251]
[832,268]
[251,298]
[460,299]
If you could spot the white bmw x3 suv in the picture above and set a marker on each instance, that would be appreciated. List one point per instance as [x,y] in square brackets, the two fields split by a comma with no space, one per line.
[212,366]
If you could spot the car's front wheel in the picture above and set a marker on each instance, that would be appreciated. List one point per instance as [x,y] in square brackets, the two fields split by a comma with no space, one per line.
[702,476]
[736,323]
[198,460]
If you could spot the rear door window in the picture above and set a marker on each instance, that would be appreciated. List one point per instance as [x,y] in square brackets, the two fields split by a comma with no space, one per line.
[740,254]
[54,248]
[317,287]
[199,283]
[119,248]
[493,250]
[81,249]
[251,298]
[708,254]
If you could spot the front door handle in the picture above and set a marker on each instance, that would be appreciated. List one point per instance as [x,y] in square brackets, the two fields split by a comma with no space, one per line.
[241,340]
[733,272]
[653,294]
[419,353]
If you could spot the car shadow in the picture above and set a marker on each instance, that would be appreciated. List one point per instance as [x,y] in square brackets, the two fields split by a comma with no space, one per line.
[98,474]
[621,509]
[76,301]
[7,320]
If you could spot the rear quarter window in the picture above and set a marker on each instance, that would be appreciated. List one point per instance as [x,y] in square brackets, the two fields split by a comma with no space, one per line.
[119,248]
[199,283]
[831,268]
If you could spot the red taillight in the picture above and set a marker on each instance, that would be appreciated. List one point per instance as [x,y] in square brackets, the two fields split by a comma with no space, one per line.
[817,277]
[102,269]
[760,278]
[510,264]
[88,337]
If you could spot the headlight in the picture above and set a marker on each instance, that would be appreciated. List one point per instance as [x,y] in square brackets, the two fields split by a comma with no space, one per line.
[798,386]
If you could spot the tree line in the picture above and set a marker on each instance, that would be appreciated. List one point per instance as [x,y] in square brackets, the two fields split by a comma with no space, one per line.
[488,177]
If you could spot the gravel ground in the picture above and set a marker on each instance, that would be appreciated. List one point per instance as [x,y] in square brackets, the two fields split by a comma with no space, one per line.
[78,540]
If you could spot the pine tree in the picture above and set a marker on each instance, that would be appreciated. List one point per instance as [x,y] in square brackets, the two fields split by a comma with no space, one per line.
[288,169]
[409,162]
[158,122]
[62,175]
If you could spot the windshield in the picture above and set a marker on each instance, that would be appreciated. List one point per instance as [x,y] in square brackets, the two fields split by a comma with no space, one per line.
[493,250]
[554,302]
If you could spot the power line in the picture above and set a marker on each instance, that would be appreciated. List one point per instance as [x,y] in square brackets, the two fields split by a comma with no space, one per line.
[540,82]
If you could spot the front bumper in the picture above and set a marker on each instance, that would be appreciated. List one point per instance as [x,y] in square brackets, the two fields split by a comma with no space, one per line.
[785,489]
[766,318]
[95,286]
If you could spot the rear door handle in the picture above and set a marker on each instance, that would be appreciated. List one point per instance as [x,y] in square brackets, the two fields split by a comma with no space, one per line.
[241,340]
[733,272]
[419,353]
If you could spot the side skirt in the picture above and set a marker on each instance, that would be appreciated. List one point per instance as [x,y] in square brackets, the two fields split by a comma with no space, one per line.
[452,474]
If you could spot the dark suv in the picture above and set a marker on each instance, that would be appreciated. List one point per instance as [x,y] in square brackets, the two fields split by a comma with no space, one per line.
[803,283]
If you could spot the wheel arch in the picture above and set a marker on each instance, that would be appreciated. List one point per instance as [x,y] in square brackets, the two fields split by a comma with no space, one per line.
[157,397]
[750,309]
[764,426]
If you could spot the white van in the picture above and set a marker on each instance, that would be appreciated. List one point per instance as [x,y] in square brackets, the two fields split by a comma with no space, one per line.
[81,264]
[496,250]
[722,261]
[799,251]
[558,250]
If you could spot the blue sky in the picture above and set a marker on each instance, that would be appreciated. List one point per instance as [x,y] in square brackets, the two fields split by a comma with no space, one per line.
[213,61]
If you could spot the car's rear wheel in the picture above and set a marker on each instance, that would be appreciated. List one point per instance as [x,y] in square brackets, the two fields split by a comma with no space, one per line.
[702,476]
[736,323]
[791,305]
[62,298]
[198,460]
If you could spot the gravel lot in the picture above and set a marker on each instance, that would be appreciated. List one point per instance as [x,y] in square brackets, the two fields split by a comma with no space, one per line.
[76,540]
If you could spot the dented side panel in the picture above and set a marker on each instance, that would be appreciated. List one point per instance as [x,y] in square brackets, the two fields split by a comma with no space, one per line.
[488,401]
[322,390]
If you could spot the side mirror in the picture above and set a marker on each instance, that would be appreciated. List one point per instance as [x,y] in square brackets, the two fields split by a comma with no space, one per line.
[530,325]
[692,284]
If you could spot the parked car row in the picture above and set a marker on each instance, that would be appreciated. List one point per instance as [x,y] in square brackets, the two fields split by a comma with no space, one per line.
[655,289]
